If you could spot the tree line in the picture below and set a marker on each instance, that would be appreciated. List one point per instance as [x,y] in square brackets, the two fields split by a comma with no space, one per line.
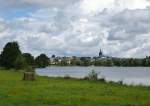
[125,62]
[120,62]
[12,57]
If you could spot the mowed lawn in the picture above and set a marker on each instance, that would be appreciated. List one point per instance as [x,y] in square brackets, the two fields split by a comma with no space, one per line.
[67,92]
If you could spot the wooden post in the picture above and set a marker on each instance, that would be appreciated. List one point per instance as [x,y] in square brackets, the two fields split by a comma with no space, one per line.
[29,76]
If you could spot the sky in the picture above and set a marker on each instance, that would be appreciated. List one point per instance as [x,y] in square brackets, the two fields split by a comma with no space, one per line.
[121,28]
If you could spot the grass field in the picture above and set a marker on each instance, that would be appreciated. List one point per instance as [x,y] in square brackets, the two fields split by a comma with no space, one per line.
[67,92]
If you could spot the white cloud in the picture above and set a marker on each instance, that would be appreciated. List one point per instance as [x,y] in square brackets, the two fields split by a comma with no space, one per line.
[93,6]
[90,6]
[119,27]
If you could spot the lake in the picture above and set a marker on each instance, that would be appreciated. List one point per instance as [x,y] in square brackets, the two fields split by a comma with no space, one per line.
[129,75]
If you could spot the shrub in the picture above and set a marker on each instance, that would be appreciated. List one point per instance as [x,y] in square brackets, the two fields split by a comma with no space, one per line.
[20,63]
[120,82]
[67,77]
[102,79]
[29,69]
[93,76]
[86,78]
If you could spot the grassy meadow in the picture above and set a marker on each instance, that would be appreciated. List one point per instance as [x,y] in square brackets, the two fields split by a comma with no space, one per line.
[67,92]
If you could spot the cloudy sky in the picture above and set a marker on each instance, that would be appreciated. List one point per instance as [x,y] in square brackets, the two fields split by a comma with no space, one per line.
[77,27]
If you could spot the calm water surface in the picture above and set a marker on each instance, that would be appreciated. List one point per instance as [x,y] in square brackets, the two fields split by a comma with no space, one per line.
[129,75]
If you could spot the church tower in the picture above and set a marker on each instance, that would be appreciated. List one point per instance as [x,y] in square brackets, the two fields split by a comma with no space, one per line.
[100,53]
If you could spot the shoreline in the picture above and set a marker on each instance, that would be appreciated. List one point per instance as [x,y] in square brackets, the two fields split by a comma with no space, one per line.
[100,80]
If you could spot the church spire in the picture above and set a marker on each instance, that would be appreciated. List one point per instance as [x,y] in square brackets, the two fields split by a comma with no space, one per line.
[100,53]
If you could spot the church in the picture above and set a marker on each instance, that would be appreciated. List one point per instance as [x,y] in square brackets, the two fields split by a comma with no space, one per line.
[101,54]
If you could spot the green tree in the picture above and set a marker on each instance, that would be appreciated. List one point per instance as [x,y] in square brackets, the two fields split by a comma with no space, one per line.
[9,55]
[28,58]
[42,61]
[109,63]
[20,63]
[146,61]
[64,62]
[53,56]
[85,61]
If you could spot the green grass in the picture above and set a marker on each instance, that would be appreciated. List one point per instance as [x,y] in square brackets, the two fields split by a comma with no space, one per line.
[67,92]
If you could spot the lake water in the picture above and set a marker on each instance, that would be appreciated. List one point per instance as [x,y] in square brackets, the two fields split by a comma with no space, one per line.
[129,75]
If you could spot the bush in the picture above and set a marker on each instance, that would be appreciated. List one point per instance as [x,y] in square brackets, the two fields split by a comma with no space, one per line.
[20,63]
[29,69]
[102,79]
[67,77]
[93,76]
[120,82]
[86,78]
